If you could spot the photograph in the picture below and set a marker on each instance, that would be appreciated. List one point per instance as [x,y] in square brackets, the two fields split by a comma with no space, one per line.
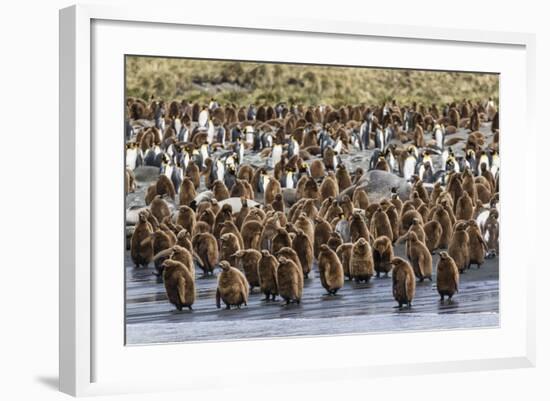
[270,199]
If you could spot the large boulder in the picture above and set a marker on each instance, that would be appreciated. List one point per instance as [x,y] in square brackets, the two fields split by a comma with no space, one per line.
[146,173]
[236,203]
[379,184]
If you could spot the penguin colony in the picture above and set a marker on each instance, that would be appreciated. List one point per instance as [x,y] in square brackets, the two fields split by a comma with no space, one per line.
[300,214]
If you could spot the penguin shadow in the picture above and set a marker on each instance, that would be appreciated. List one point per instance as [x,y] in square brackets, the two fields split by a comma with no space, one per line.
[362,285]
[51,382]
[184,311]
[206,277]
[403,309]
[448,304]
[141,273]
[309,281]
[330,297]
[288,306]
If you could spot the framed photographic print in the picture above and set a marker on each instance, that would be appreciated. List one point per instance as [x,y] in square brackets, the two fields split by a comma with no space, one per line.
[278,190]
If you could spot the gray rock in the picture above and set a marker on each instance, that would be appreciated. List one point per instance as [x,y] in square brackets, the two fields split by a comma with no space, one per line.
[378,185]
[236,203]
[147,173]
[289,196]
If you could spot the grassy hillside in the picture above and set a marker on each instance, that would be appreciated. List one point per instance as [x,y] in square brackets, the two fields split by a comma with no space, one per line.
[244,83]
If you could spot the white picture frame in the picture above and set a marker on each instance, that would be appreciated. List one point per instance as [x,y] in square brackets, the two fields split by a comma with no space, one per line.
[93,360]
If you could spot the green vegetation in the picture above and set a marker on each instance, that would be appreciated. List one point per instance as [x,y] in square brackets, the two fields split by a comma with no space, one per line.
[245,82]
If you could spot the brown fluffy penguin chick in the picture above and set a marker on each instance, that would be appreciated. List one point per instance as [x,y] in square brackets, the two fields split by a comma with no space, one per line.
[344,254]
[280,240]
[305,224]
[421,258]
[342,178]
[248,260]
[192,171]
[420,189]
[141,250]
[380,224]
[270,227]
[202,227]
[334,241]
[183,239]
[311,189]
[186,218]
[165,187]
[207,216]
[150,193]
[232,287]
[483,193]
[477,245]
[358,227]
[289,253]
[225,214]
[230,227]
[267,275]
[278,203]
[309,208]
[325,206]
[273,188]
[187,192]
[251,232]
[361,263]
[418,228]
[289,282]
[447,205]
[206,248]
[468,185]
[442,217]
[183,255]
[459,247]
[229,245]
[328,158]
[321,234]
[447,276]
[407,220]
[304,249]
[393,217]
[347,206]
[328,188]
[317,169]
[360,198]
[179,284]
[333,211]
[433,232]
[159,208]
[331,271]
[382,253]
[241,216]
[220,190]
[436,191]
[403,282]
[464,207]
[162,241]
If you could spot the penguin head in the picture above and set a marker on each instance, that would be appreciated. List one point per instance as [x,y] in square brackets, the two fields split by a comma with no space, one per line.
[224,265]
